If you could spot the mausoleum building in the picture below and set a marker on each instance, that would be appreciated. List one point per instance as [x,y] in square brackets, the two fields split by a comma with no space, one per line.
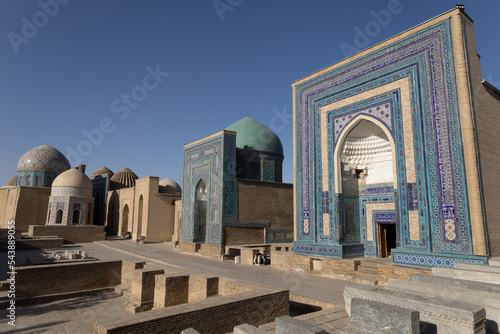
[396,153]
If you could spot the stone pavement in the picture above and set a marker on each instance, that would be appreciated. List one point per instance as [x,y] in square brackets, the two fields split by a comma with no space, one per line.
[79,315]
[324,289]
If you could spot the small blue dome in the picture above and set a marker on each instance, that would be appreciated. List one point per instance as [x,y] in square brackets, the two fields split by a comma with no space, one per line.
[43,158]
[253,135]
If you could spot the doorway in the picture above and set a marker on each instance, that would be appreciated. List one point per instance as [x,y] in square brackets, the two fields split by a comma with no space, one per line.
[386,239]
[200,212]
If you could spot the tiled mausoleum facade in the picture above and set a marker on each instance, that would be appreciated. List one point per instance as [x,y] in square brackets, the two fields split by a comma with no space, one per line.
[386,151]
[232,190]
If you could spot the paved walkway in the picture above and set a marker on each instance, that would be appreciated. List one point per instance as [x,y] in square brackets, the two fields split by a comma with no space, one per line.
[320,288]
[79,315]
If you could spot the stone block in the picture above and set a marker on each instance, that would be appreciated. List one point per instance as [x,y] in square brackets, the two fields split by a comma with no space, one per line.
[448,316]
[456,283]
[170,290]
[201,288]
[247,329]
[490,301]
[190,331]
[494,261]
[289,325]
[477,267]
[143,285]
[370,317]
[128,270]
[472,275]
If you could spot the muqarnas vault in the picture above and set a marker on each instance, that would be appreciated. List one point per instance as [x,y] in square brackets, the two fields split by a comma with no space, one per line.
[395,153]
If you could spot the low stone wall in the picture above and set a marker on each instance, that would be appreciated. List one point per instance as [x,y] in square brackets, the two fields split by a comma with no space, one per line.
[71,234]
[187,247]
[338,268]
[66,278]
[212,315]
[44,243]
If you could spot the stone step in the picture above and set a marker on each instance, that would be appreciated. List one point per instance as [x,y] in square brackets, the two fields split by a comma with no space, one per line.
[365,280]
[367,269]
[123,290]
[477,267]
[362,273]
[456,283]
[371,264]
[494,261]
[472,275]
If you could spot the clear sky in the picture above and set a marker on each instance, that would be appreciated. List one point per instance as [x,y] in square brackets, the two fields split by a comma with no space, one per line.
[151,76]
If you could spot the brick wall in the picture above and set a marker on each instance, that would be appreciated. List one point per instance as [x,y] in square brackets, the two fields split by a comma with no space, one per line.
[201,288]
[128,270]
[64,278]
[187,247]
[213,315]
[387,271]
[212,251]
[170,290]
[71,234]
[47,243]
[244,235]
[268,202]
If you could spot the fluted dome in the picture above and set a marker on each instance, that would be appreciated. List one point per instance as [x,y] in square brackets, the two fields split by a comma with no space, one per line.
[72,178]
[43,158]
[124,178]
[169,186]
[101,172]
[253,135]
[12,181]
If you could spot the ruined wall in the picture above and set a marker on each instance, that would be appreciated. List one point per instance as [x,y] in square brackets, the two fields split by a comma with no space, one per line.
[213,315]
[64,278]
[72,234]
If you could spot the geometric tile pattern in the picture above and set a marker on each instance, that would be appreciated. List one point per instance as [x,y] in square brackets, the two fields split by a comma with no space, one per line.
[439,193]
[212,161]
[43,158]
[433,260]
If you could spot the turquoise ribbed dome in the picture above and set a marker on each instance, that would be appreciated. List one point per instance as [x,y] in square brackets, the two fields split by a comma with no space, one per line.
[253,135]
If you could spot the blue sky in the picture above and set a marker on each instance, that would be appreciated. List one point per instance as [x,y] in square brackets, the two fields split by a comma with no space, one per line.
[155,75]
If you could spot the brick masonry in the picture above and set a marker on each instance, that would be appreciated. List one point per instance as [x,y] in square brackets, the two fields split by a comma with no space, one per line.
[66,278]
[339,268]
[170,290]
[71,234]
[213,315]
[201,288]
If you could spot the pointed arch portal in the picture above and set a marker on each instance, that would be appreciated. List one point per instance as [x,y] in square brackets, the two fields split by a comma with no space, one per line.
[200,211]
[365,158]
